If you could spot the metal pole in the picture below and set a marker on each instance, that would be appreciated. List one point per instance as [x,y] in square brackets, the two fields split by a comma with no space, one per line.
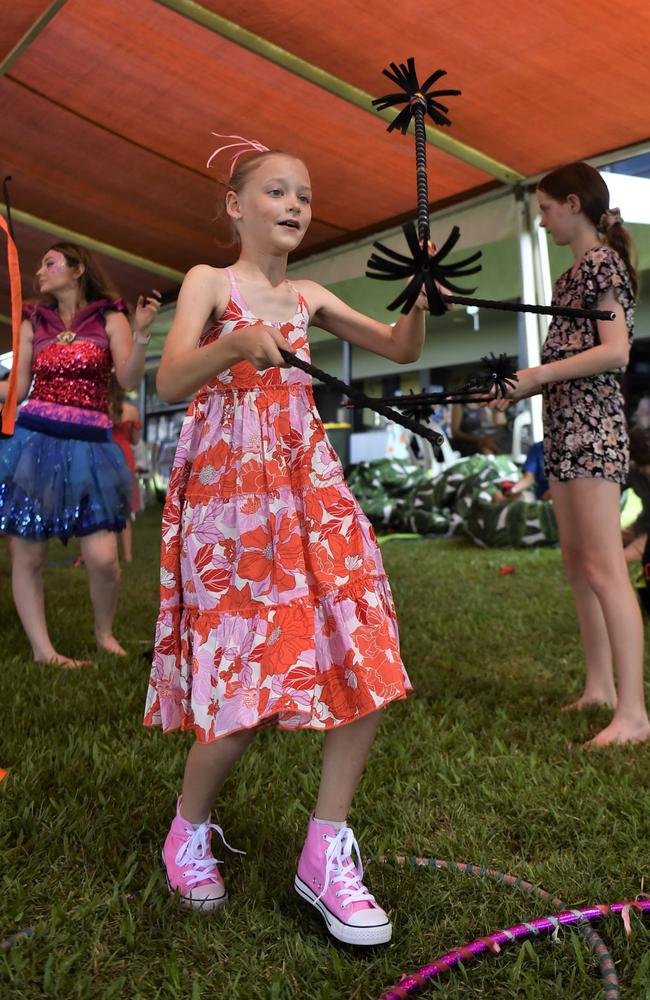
[530,293]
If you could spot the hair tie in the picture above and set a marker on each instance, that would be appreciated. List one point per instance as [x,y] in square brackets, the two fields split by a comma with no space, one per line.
[242,145]
[611,217]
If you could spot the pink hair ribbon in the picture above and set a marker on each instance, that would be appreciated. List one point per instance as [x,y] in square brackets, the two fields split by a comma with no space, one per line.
[243,145]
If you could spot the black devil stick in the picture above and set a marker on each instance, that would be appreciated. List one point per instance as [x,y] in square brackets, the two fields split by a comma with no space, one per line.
[420,103]
[495,378]
[425,266]
[569,311]
[359,398]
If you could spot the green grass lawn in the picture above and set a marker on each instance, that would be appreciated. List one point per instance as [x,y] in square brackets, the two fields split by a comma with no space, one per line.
[478,765]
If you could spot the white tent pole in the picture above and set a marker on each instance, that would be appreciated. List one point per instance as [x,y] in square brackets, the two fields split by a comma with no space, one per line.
[531,292]
[346,357]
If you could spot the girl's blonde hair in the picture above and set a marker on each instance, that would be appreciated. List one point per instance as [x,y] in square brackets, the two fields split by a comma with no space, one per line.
[244,169]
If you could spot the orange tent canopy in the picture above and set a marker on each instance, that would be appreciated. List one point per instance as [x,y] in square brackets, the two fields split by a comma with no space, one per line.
[106,111]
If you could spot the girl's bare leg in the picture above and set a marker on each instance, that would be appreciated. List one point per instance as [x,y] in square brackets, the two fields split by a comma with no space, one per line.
[207,767]
[126,538]
[599,683]
[596,516]
[27,562]
[99,551]
[345,752]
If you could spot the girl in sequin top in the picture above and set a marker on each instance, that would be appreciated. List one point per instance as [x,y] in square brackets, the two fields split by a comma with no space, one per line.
[586,442]
[60,473]
[275,607]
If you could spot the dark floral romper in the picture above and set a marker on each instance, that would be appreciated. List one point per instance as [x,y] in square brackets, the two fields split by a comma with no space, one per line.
[585,431]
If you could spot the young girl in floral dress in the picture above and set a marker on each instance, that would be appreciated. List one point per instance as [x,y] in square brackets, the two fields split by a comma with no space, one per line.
[585,438]
[275,608]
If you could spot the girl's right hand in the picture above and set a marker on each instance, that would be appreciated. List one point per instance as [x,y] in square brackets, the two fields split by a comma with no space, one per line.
[259,344]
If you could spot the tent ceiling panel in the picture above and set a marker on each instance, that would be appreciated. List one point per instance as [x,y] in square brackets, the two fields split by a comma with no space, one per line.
[167,98]
[17,20]
[107,108]
[541,85]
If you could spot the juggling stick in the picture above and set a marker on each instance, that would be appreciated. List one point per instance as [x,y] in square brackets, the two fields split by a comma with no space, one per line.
[359,398]
[494,380]
[570,312]
[425,266]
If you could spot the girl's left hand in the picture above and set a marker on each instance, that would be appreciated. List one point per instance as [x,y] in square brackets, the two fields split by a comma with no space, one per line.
[146,309]
[529,383]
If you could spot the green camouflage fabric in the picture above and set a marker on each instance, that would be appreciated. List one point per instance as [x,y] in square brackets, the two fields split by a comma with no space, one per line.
[399,496]
[517,524]
[459,477]
[381,486]
[421,514]
[476,476]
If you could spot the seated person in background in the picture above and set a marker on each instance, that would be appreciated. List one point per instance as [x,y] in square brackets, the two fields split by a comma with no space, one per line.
[474,429]
[636,536]
[533,478]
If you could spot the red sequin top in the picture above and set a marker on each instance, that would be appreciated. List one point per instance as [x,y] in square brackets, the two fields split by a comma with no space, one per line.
[76,374]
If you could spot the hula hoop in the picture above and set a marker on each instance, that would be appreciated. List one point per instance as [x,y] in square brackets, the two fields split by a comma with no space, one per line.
[415,981]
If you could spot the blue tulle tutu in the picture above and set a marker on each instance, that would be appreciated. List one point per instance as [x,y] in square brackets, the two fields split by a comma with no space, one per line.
[60,487]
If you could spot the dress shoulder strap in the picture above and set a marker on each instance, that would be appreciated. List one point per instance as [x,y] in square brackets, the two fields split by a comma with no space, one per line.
[235,294]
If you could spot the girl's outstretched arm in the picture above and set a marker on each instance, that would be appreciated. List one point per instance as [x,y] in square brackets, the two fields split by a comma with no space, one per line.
[611,353]
[184,366]
[402,342]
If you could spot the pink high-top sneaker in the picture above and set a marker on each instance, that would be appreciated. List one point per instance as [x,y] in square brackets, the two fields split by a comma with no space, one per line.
[190,866]
[329,880]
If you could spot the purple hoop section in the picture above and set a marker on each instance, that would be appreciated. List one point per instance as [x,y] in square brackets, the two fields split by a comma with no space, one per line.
[417,980]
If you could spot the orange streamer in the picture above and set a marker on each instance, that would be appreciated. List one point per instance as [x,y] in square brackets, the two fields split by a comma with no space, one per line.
[8,417]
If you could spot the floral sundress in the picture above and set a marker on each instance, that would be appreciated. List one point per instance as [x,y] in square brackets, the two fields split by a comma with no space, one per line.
[585,431]
[275,607]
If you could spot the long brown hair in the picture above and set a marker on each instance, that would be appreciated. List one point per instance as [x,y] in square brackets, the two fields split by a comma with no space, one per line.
[94,283]
[116,398]
[584,181]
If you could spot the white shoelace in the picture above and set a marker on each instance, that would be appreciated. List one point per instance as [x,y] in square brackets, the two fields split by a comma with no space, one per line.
[339,869]
[193,853]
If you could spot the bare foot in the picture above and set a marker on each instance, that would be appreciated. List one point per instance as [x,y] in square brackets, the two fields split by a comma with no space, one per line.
[621,731]
[110,644]
[589,701]
[59,660]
